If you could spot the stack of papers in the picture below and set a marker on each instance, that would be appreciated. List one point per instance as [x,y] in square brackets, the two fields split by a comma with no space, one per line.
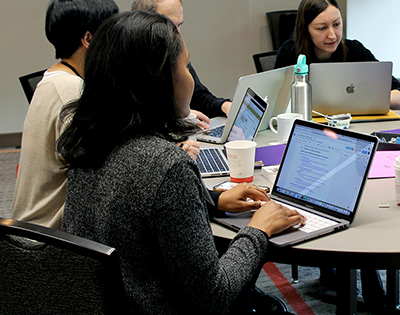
[382,165]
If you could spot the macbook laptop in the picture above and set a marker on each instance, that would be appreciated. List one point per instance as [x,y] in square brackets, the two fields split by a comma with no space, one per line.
[358,88]
[212,161]
[244,126]
[322,175]
[272,85]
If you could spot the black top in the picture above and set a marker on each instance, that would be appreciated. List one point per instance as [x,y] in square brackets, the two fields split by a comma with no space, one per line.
[203,100]
[356,52]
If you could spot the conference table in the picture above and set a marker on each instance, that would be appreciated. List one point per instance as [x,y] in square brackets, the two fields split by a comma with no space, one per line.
[372,241]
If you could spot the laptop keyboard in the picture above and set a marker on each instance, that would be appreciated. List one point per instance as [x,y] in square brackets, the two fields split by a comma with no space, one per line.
[314,222]
[210,160]
[215,132]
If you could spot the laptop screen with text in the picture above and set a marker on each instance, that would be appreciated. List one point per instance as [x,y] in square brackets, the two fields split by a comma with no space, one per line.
[248,118]
[324,169]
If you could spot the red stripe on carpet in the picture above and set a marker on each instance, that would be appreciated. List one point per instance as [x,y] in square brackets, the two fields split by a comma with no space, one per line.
[288,291]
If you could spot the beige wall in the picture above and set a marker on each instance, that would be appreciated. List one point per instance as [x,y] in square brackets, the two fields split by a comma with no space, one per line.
[380,33]
[222,36]
[23,49]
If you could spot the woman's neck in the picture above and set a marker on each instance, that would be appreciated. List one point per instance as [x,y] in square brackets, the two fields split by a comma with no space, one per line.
[74,64]
[75,67]
[322,56]
[76,61]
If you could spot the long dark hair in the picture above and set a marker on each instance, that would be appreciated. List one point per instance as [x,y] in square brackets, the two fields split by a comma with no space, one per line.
[307,12]
[128,89]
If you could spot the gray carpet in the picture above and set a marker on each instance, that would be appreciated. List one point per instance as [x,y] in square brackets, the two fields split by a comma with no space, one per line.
[309,287]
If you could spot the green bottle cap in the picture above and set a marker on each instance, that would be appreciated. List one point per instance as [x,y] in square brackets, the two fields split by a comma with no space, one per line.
[301,68]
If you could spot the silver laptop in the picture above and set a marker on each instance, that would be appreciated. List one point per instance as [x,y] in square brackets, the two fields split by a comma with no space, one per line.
[358,88]
[272,85]
[322,175]
[245,124]
[212,161]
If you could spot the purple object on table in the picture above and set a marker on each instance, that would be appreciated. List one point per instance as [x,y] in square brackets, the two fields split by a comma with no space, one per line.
[270,155]
[392,131]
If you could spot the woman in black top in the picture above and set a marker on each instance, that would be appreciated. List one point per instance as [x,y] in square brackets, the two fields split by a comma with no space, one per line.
[318,36]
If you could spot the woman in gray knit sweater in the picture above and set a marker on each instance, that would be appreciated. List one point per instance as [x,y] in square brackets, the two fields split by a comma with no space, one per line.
[130,187]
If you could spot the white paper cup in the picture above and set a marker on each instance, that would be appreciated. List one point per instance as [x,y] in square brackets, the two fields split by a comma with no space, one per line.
[396,166]
[241,156]
[193,119]
[284,124]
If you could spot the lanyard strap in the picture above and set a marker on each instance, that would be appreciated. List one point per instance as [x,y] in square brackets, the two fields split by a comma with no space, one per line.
[71,67]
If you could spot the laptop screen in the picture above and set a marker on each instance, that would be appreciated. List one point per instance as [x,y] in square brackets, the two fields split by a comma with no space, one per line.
[248,118]
[325,168]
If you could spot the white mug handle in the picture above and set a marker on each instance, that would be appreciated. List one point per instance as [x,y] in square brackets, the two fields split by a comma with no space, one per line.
[271,124]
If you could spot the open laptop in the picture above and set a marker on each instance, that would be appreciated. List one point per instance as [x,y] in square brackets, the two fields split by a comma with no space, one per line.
[245,124]
[358,88]
[273,85]
[212,161]
[322,173]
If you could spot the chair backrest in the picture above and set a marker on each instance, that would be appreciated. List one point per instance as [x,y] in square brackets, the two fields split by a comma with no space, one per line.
[281,26]
[29,83]
[46,271]
[265,61]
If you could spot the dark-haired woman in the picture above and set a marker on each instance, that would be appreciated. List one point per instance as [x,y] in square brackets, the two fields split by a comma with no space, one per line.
[129,185]
[318,35]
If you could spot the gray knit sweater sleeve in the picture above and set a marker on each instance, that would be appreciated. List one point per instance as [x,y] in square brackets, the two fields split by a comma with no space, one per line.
[208,283]
[146,201]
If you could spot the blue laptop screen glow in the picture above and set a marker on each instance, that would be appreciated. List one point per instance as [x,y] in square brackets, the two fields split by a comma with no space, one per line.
[324,168]
[248,117]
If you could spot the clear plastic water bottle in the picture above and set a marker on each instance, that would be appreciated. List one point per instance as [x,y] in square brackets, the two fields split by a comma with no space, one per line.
[301,90]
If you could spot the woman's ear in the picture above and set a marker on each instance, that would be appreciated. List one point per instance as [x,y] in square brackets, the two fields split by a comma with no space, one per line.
[86,39]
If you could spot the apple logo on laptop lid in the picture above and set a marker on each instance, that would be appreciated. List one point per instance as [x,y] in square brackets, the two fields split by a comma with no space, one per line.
[350,89]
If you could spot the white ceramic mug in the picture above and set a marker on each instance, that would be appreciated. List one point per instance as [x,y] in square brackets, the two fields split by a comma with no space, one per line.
[284,124]
[241,157]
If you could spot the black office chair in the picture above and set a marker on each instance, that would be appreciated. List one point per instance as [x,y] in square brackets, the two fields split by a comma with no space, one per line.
[46,271]
[29,83]
[265,61]
[281,26]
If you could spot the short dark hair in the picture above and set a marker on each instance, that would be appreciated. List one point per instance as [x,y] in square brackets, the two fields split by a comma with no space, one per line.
[308,10]
[67,21]
[128,88]
[146,5]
